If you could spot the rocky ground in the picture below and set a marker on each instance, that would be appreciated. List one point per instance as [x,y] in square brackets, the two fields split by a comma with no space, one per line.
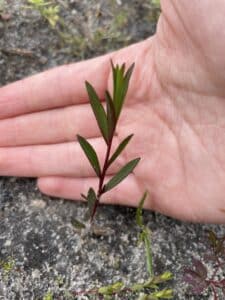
[41,253]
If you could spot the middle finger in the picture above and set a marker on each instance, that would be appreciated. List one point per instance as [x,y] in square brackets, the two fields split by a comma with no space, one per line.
[49,127]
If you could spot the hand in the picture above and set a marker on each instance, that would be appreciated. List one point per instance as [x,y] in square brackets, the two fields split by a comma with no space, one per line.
[175,107]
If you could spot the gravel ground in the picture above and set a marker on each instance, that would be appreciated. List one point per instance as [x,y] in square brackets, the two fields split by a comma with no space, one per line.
[45,253]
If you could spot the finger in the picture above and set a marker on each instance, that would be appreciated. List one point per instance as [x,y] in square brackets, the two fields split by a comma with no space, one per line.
[48,127]
[65,159]
[61,86]
[127,192]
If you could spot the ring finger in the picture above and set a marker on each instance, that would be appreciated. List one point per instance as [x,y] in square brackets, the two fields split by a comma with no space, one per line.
[66,159]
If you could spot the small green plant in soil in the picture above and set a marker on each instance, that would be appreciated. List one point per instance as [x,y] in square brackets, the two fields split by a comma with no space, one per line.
[48,296]
[47,10]
[7,265]
[107,121]
[150,289]
[198,276]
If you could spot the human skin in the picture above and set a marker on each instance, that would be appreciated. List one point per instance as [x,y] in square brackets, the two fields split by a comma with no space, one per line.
[175,107]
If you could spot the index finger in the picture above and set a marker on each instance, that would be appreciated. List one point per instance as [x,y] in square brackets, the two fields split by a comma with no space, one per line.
[61,86]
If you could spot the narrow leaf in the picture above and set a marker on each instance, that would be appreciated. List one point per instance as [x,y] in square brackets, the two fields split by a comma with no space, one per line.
[139,218]
[120,148]
[90,153]
[114,76]
[111,118]
[124,87]
[77,224]
[121,175]
[119,88]
[98,110]
[91,199]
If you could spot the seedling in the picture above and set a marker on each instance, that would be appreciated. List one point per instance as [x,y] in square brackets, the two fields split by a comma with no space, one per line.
[48,296]
[149,289]
[47,10]
[107,121]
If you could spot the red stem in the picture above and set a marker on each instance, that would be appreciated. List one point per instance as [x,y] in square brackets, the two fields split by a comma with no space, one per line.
[102,177]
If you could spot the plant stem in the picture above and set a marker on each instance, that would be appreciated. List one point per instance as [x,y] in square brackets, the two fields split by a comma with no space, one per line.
[102,177]
[148,255]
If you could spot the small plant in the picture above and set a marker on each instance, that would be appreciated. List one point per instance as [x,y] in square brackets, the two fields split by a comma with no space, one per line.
[147,290]
[47,10]
[7,265]
[198,277]
[48,296]
[107,121]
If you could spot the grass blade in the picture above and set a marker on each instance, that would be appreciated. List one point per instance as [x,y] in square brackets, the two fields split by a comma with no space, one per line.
[139,218]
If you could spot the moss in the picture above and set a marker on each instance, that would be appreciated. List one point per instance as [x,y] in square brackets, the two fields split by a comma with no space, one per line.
[48,296]
[7,265]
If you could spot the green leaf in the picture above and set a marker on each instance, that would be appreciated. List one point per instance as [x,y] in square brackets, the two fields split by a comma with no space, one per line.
[121,175]
[120,86]
[124,87]
[98,110]
[163,294]
[90,153]
[119,149]
[127,81]
[77,224]
[114,78]
[91,199]
[111,289]
[139,218]
[111,117]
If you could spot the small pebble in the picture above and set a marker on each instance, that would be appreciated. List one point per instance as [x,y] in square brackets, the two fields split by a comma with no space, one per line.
[7,243]
[38,203]
[43,60]
[35,274]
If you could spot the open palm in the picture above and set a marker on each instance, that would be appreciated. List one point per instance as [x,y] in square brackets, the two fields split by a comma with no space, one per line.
[175,107]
